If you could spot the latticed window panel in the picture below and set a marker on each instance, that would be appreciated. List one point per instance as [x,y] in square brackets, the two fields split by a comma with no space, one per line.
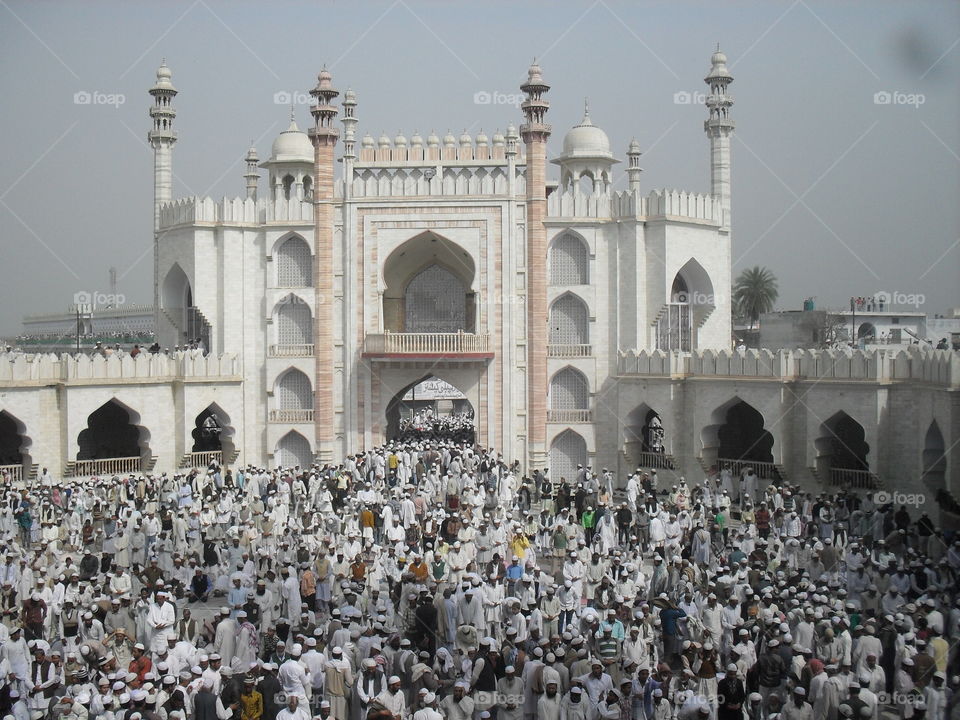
[675,328]
[435,302]
[567,451]
[569,322]
[293,449]
[294,323]
[294,392]
[569,391]
[294,264]
[569,262]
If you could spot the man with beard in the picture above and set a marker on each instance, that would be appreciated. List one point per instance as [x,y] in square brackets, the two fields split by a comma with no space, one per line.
[548,706]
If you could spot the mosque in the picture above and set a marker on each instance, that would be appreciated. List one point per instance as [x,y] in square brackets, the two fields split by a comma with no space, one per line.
[583,325]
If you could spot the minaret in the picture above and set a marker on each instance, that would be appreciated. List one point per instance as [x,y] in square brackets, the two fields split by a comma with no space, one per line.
[162,138]
[535,133]
[349,121]
[251,175]
[719,127]
[324,136]
[633,165]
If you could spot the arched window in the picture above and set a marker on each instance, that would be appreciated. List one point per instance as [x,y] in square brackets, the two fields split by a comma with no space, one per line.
[287,186]
[675,326]
[307,187]
[567,451]
[569,261]
[294,264]
[293,449]
[294,391]
[294,322]
[435,301]
[569,322]
[569,390]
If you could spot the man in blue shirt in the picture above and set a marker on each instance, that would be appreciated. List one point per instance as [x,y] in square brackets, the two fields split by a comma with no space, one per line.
[669,615]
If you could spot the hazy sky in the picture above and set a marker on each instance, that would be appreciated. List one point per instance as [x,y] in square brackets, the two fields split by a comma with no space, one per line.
[837,192]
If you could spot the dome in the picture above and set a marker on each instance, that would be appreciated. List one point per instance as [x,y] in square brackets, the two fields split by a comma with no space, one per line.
[417,139]
[292,145]
[482,139]
[498,138]
[586,140]
[433,140]
[400,140]
[349,97]
[384,141]
[718,66]
[163,78]
[465,139]
[634,146]
[449,139]
[367,141]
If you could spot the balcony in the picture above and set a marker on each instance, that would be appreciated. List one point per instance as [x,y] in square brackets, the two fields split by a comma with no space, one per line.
[404,346]
[854,479]
[287,351]
[569,416]
[104,466]
[291,416]
[569,351]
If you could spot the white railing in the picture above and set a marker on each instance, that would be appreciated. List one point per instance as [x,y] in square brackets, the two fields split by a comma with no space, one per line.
[427,343]
[654,460]
[763,470]
[105,466]
[856,479]
[291,416]
[290,351]
[14,472]
[203,459]
[566,351]
[570,416]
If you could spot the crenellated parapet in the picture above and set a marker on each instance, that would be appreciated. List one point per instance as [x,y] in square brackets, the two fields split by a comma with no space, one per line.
[18,369]
[937,367]
[234,211]
[668,204]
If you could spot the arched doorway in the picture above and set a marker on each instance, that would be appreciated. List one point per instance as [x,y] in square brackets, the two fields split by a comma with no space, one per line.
[294,263]
[13,445]
[431,408]
[690,302]
[842,452]
[112,432]
[934,458]
[567,451]
[212,434]
[293,449]
[645,441]
[428,287]
[736,439]
[867,332]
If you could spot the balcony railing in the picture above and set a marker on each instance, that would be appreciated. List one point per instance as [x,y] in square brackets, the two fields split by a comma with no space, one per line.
[14,472]
[568,351]
[654,460]
[427,343]
[763,470]
[104,466]
[291,416]
[570,416]
[855,479]
[280,351]
[202,459]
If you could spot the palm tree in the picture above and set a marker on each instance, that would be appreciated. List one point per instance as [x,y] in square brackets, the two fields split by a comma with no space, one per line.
[754,293]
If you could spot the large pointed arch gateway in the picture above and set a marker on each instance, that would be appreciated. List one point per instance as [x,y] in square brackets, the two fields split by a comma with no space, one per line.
[431,408]
[691,301]
[114,442]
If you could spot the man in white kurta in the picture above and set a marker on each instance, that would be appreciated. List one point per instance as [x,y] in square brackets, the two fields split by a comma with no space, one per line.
[160,619]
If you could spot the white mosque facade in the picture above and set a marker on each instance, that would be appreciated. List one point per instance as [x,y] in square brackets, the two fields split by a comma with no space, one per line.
[584,325]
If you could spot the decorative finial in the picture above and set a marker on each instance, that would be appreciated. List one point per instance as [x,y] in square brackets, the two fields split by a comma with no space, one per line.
[586,107]
[293,114]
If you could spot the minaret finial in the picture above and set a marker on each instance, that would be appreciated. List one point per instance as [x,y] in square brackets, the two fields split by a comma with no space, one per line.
[586,107]
[293,114]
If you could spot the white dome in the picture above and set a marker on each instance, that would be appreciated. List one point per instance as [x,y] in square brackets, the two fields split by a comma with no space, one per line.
[586,140]
[292,145]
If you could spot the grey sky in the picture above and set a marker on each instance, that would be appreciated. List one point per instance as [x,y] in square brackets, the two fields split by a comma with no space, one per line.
[837,194]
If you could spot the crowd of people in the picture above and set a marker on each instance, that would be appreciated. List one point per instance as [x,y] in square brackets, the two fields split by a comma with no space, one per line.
[432,580]
[425,424]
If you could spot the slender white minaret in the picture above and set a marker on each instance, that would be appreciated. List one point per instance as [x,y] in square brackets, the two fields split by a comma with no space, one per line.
[719,127]
[251,175]
[162,139]
[633,165]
